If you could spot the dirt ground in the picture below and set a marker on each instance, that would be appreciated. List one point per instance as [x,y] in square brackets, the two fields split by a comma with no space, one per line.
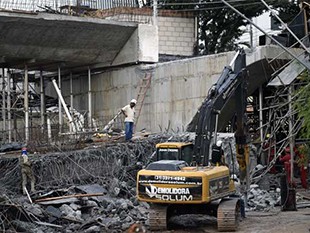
[276,221]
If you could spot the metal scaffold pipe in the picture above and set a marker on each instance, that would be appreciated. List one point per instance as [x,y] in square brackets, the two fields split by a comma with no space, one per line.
[62,101]
[89,100]
[42,95]
[286,27]
[270,37]
[26,104]
[9,106]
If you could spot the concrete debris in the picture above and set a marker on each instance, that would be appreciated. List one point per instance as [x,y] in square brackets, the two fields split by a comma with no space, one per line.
[262,200]
[94,189]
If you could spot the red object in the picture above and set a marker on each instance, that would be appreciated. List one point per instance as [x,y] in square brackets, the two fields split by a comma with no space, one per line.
[303,177]
[286,159]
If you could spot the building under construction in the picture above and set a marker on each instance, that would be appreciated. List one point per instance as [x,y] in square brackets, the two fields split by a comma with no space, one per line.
[68,67]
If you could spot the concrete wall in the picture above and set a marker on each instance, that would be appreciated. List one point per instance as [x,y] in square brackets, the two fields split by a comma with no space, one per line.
[177,90]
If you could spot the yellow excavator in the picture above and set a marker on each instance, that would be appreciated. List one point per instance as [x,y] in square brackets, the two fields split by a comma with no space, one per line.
[183,180]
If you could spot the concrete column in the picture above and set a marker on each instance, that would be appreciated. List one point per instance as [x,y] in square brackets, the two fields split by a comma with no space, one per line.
[42,97]
[59,101]
[3,103]
[89,100]
[9,106]
[26,104]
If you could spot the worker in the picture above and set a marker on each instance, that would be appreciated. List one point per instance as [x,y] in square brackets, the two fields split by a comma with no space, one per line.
[302,162]
[129,112]
[286,160]
[26,170]
[217,154]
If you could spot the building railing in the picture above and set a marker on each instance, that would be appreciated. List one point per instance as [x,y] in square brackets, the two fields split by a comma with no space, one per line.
[57,5]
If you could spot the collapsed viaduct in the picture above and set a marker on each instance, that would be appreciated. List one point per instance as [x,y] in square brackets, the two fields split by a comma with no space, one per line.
[106,60]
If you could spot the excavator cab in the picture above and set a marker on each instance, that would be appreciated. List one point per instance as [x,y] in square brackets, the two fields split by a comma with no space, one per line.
[175,151]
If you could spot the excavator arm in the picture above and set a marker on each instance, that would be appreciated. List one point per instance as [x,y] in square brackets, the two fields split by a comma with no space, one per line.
[231,84]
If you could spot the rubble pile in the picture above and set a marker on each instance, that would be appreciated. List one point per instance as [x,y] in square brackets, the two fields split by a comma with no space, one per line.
[90,190]
[262,200]
[78,209]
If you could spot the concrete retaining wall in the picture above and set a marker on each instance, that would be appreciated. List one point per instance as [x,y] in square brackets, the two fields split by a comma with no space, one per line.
[177,90]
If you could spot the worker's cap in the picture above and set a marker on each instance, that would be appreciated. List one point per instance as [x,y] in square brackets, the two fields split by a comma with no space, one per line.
[219,143]
[133,101]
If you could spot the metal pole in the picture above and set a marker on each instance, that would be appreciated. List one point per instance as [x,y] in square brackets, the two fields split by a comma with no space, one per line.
[9,106]
[59,101]
[261,114]
[3,103]
[42,110]
[251,37]
[155,12]
[71,93]
[89,100]
[71,97]
[26,104]
[291,132]
[270,37]
[62,101]
[286,27]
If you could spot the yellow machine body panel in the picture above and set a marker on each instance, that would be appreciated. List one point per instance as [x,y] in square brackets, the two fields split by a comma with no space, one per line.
[190,185]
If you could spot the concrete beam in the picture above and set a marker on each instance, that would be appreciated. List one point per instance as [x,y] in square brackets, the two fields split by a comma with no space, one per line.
[51,39]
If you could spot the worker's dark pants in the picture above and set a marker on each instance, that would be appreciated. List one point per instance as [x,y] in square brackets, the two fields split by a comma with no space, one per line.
[242,208]
[128,130]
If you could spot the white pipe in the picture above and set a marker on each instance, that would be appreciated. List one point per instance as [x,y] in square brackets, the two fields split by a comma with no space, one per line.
[49,129]
[26,104]
[59,101]
[89,100]
[64,104]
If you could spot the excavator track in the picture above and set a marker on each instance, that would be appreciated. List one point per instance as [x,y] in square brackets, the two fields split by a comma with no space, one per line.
[228,215]
[158,217]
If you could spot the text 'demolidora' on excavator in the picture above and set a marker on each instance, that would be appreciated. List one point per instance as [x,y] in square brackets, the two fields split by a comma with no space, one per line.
[184,178]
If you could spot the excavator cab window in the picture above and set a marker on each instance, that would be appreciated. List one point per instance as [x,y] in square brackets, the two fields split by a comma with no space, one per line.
[187,153]
[167,154]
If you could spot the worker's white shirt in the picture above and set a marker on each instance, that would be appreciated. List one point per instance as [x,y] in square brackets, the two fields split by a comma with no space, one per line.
[130,112]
